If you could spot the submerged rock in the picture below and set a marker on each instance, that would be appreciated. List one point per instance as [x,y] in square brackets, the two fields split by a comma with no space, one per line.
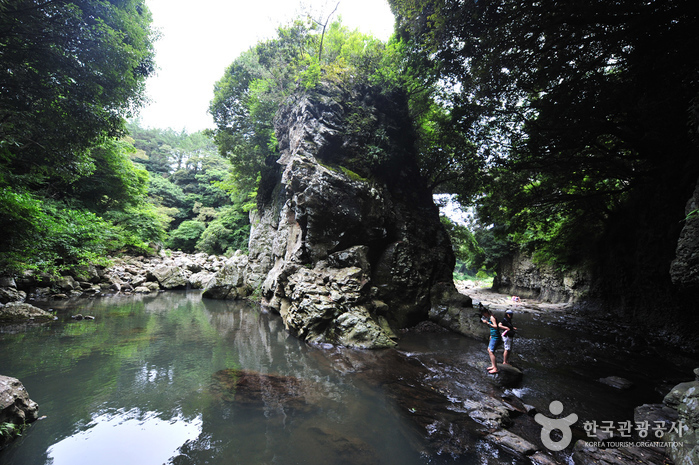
[617,382]
[251,389]
[513,442]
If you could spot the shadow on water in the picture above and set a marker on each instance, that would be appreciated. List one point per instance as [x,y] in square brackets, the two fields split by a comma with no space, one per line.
[176,379]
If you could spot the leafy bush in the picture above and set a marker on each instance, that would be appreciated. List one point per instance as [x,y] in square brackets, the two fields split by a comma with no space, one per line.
[186,235]
[227,233]
[50,236]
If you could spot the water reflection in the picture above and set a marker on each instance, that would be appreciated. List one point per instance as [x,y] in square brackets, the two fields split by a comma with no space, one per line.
[177,379]
[125,437]
[145,377]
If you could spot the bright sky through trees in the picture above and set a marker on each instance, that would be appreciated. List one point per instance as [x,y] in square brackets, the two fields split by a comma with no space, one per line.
[200,40]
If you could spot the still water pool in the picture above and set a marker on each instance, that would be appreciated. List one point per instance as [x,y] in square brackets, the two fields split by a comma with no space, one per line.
[139,385]
[177,379]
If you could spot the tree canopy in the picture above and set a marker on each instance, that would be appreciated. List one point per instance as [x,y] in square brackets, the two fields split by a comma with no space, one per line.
[578,109]
[70,72]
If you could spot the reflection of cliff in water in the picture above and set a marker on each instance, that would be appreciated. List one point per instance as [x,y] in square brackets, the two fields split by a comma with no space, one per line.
[176,358]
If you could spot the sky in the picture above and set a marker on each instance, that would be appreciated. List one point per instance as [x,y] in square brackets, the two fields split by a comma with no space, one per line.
[199,40]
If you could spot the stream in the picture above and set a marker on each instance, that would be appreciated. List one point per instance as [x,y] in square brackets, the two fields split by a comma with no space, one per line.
[174,378]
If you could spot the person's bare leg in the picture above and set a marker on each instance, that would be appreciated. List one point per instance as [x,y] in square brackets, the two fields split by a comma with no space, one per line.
[493,363]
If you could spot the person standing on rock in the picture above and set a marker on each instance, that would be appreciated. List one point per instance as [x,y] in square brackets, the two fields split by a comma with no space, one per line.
[508,333]
[488,318]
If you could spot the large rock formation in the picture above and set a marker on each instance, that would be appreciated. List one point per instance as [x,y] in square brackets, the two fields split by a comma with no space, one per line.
[685,268]
[346,244]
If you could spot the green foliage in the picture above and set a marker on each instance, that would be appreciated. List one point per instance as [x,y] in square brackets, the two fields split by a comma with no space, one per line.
[194,195]
[186,236]
[50,236]
[115,182]
[564,105]
[10,430]
[61,96]
[251,91]
[227,233]
[63,165]
[476,248]
[141,228]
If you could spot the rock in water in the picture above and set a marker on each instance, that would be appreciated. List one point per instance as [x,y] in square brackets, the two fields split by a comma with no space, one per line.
[346,235]
[684,440]
[507,376]
[255,390]
[19,311]
[617,382]
[15,405]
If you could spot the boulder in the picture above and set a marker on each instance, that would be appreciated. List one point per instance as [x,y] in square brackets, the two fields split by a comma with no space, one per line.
[11,294]
[344,241]
[20,311]
[169,276]
[488,411]
[684,440]
[229,282]
[15,405]
[200,280]
[455,311]
[67,283]
[9,291]
[507,376]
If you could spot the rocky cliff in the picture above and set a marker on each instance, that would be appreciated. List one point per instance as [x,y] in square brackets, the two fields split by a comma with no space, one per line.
[684,270]
[346,244]
[519,275]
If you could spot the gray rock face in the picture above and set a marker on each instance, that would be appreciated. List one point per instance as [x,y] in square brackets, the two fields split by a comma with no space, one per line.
[170,276]
[229,282]
[684,270]
[9,291]
[684,398]
[344,241]
[20,311]
[15,405]
[519,275]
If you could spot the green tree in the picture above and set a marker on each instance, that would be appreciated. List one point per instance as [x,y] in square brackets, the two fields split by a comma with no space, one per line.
[578,110]
[251,91]
[70,71]
[247,97]
[186,235]
[116,181]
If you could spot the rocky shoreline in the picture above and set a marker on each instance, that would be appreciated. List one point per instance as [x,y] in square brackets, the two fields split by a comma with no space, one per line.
[175,270]
[127,275]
